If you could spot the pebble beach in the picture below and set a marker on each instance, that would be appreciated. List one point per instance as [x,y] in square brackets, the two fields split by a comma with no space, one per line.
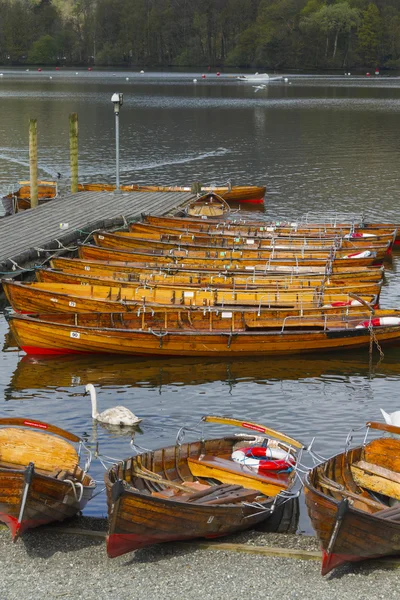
[53,564]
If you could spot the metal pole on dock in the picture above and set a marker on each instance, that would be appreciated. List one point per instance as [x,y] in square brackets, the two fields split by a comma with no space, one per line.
[117,100]
[73,151]
[33,161]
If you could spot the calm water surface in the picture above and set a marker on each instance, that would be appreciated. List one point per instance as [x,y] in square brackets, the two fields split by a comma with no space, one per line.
[318,143]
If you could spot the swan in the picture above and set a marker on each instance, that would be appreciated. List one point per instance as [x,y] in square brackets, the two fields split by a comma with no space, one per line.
[119,415]
[392,418]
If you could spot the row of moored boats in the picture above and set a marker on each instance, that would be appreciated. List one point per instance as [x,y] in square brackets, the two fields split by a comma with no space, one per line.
[208,488]
[209,287]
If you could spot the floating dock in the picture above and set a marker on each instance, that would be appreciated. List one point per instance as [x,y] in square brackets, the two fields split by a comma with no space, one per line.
[29,237]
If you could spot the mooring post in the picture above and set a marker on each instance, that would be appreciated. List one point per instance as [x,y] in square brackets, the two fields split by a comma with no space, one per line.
[195,188]
[33,161]
[73,151]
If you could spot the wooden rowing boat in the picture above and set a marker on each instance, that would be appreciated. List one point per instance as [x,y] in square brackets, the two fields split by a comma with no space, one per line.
[142,271]
[76,298]
[128,240]
[197,332]
[215,235]
[253,228]
[21,198]
[40,477]
[221,260]
[350,498]
[124,241]
[208,205]
[236,194]
[198,280]
[196,489]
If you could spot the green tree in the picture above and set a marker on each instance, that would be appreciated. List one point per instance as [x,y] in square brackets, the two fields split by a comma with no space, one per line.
[333,20]
[44,51]
[370,36]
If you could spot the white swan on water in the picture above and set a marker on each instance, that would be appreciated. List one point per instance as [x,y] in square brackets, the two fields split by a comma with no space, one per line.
[118,415]
[392,418]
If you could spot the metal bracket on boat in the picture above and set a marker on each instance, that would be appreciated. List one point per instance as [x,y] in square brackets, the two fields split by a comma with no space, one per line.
[117,490]
[230,335]
[144,309]
[145,286]
[160,335]
[28,475]
[349,438]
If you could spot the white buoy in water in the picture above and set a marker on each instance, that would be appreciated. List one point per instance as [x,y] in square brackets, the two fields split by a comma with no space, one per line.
[286,80]
[50,77]
[77,73]
[127,78]
[142,72]
[194,80]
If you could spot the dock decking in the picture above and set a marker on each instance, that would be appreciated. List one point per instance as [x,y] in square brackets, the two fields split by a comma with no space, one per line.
[28,236]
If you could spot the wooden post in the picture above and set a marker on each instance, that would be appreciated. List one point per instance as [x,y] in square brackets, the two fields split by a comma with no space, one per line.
[33,161]
[196,187]
[73,151]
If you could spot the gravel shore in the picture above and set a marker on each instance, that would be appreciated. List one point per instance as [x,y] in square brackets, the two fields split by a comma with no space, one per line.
[49,565]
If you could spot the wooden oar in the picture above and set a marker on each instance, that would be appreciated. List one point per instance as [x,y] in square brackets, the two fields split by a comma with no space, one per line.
[383,427]
[40,425]
[254,427]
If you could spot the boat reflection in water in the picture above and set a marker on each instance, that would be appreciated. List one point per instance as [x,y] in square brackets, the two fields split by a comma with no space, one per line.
[78,370]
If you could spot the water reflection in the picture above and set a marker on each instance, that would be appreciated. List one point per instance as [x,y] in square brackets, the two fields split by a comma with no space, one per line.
[75,370]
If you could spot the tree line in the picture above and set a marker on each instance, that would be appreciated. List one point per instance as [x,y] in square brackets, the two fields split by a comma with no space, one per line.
[273,34]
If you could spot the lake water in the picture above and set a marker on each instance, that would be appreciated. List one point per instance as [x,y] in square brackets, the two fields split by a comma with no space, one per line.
[318,143]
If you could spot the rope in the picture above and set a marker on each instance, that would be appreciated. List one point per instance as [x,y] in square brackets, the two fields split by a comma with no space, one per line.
[97,493]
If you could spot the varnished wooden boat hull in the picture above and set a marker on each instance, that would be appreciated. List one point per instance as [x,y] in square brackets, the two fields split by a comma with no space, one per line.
[252,227]
[64,297]
[124,241]
[237,193]
[361,533]
[40,478]
[142,270]
[191,334]
[47,190]
[48,501]
[156,258]
[285,283]
[216,236]
[137,518]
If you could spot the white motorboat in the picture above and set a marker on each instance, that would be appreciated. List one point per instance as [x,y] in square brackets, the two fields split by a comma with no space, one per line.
[260,77]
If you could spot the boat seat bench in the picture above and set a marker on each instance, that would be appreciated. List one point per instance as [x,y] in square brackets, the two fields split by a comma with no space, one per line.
[224,466]
[376,478]
[391,513]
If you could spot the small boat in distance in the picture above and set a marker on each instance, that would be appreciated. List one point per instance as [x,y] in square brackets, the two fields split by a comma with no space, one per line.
[40,476]
[353,500]
[20,199]
[207,488]
[260,77]
[243,194]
